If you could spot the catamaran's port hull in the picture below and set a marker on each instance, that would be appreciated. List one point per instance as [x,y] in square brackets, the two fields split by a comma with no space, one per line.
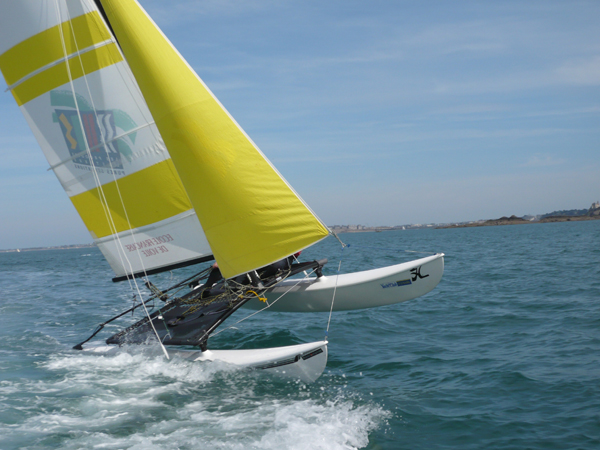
[358,290]
[305,362]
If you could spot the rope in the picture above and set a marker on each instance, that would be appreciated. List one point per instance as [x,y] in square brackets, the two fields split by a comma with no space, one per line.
[116,181]
[340,241]
[333,299]
[104,202]
[262,299]
[268,304]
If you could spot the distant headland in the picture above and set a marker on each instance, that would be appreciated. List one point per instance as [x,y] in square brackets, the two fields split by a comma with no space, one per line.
[571,215]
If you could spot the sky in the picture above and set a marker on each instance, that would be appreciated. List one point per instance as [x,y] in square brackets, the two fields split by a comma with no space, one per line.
[377,113]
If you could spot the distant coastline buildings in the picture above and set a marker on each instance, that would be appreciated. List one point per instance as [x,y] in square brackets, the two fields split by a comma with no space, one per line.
[555,216]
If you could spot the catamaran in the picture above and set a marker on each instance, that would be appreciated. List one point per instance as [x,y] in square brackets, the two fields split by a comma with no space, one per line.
[164,178]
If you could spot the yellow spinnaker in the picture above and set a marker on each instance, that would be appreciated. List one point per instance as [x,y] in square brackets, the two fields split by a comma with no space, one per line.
[250,215]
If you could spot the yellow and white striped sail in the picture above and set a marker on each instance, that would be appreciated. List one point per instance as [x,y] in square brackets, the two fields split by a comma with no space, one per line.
[250,215]
[68,76]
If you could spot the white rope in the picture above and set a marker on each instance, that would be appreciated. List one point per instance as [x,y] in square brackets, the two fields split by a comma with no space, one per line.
[117,237]
[333,298]
[102,196]
[105,145]
[103,201]
[340,241]
[335,286]
[268,304]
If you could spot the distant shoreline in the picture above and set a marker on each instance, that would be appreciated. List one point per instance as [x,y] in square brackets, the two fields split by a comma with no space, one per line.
[513,220]
[519,221]
[36,249]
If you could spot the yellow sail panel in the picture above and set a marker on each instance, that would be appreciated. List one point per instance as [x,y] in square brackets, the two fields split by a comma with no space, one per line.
[146,202]
[46,46]
[57,75]
[249,214]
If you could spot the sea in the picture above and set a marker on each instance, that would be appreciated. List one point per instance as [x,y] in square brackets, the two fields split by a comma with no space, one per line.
[503,354]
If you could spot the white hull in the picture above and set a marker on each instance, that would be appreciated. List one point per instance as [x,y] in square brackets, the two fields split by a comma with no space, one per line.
[377,287]
[305,362]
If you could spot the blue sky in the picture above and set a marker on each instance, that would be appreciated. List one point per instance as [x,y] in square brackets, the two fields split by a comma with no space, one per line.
[378,113]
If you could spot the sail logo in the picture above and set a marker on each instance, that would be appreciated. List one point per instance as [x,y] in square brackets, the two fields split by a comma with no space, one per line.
[105,135]
[99,129]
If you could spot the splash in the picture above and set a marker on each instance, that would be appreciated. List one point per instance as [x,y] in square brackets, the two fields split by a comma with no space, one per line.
[139,400]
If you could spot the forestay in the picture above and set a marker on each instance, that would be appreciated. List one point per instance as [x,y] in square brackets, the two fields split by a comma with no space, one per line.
[68,75]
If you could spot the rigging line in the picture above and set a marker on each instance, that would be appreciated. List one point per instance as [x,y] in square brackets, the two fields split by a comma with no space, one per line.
[117,237]
[131,78]
[92,164]
[340,241]
[333,299]
[106,149]
[102,196]
[268,304]
[96,177]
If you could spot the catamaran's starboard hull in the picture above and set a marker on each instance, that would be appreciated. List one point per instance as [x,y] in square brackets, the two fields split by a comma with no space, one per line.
[358,290]
[305,362]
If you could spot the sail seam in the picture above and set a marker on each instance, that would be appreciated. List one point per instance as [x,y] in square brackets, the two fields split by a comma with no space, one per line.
[149,228]
[58,62]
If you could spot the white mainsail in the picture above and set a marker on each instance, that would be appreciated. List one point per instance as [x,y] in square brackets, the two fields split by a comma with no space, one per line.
[71,82]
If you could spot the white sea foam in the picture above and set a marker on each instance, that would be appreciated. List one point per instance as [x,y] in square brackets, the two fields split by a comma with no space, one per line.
[141,401]
[294,425]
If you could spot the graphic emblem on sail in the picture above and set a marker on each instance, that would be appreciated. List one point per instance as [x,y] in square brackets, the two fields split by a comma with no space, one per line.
[102,130]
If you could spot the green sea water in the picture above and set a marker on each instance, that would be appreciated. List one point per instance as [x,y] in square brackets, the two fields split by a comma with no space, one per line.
[503,354]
